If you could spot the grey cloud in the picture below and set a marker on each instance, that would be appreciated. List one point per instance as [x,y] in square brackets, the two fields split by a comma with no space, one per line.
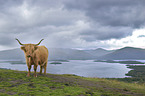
[112,12]
[106,33]
[6,40]
[5,4]
[33,14]
[41,15]
[140,36]
[57,21]
[45,4]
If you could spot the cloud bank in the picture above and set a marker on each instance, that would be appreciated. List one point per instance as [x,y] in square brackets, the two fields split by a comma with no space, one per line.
[70,23]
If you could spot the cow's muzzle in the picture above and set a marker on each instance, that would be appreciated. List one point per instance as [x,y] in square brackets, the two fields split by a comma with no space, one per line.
[29,60]
[28,56]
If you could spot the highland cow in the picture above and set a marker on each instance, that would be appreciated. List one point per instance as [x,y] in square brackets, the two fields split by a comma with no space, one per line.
[35,55]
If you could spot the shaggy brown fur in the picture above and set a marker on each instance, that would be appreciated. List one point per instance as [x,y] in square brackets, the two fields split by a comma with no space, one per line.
[35,55]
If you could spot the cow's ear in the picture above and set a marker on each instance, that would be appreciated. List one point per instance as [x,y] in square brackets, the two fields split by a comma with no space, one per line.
[36,47]
[23,48]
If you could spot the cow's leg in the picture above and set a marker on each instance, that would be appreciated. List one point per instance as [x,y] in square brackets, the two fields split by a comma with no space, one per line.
[35,69]
[45,66]
[29,70]
[41,69]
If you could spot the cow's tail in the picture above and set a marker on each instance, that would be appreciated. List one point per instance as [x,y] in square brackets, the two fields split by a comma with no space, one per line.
[44,63]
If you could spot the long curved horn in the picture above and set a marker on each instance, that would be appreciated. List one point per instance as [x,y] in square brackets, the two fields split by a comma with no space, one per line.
[39,42]
[19,42]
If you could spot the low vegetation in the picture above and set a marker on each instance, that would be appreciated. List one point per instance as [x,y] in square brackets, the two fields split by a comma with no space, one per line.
[16,83]
[137,71]
[135,75]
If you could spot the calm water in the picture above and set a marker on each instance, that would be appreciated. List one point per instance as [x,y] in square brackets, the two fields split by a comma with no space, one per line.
[86,68]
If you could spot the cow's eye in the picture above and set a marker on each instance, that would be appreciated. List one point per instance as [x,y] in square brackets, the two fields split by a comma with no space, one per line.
[35,47]
[23,48]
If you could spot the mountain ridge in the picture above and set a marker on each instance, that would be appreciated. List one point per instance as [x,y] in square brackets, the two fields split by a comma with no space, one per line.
[54,54]
[125,53]
[74,54]
[99,52]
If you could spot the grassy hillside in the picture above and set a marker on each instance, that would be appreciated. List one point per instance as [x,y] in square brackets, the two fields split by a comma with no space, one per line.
[16,83]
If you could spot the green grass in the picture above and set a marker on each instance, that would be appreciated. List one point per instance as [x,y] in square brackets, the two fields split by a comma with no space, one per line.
[16,83]
[115,84]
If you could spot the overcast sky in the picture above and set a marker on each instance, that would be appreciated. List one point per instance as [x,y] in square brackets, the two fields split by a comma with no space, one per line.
[82,24]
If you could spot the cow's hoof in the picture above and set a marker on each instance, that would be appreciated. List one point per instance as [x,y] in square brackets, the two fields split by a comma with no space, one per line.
[28,75]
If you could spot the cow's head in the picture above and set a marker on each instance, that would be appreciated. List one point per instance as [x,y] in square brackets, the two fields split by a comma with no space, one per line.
[29,49]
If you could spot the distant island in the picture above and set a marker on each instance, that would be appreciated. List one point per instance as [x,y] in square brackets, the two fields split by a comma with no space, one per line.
[121,62]
[55,62]
[61,60]
[13,62]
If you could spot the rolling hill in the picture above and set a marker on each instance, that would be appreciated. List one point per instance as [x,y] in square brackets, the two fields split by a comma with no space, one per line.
[125,53]
[73,54]
[68,54]
[12,54]
[99,52]
[54,54]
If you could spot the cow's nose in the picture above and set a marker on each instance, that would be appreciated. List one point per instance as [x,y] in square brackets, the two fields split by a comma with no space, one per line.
[28,56]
